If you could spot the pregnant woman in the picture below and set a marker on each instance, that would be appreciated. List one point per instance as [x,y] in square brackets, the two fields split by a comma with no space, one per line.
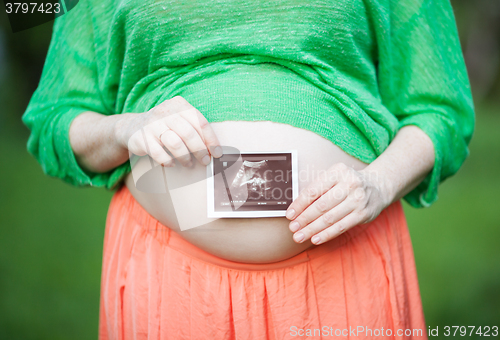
[373,96]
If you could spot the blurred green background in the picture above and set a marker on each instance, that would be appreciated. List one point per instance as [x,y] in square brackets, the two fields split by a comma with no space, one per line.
[51,234]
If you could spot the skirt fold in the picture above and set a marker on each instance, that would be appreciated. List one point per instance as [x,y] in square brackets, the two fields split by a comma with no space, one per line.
[155,285]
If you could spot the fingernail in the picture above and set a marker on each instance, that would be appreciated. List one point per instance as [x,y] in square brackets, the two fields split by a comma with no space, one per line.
[299,237]
[316,239]
[294,226]
[205,160]
[168,164]
[290,214]
[190,164]
[217,152]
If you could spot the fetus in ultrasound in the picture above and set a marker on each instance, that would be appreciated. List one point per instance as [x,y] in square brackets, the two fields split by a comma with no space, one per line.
[250,182]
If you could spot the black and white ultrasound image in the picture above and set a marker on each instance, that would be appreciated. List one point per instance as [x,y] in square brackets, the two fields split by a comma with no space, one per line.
[256,182]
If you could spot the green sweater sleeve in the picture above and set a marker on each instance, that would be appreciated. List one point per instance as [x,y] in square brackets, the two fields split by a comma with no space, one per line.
[423,81]
[68,86]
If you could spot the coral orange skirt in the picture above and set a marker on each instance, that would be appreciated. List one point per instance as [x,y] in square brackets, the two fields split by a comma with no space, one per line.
[155,285]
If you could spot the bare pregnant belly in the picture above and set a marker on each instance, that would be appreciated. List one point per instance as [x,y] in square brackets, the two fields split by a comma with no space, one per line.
[250,240]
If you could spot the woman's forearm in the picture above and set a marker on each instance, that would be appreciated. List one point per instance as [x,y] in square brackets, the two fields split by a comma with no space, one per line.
[404,164]
[172,130]
[92,138]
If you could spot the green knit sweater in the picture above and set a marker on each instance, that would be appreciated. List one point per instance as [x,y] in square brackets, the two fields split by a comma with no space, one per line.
[352,71]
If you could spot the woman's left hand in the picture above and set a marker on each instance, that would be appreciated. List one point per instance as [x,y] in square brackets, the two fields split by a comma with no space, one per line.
[342,200]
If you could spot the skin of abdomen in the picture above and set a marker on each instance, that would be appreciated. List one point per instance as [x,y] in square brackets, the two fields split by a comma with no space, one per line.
[251,240]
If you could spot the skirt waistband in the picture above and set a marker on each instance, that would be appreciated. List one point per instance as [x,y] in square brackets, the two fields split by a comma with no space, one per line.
[172,239]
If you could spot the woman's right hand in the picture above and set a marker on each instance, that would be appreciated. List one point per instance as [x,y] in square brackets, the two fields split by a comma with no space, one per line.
[174,125]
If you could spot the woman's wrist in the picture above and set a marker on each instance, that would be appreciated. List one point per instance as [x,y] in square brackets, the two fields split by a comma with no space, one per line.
[120,127]
[404,164]
[382,181]
[94,142]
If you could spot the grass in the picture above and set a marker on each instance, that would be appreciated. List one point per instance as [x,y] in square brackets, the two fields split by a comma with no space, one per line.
[51,245]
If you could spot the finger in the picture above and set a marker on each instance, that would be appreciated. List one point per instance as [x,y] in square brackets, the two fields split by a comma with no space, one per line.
[315,190]
[351,220]
[204,129]
[324,221]
[136,144]
[181,106]
[322,205]
[155,150]
[157,127]
[174,144]
[190,137]
[160,127]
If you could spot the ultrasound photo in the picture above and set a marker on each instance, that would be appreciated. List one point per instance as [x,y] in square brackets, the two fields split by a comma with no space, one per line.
[252,184]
